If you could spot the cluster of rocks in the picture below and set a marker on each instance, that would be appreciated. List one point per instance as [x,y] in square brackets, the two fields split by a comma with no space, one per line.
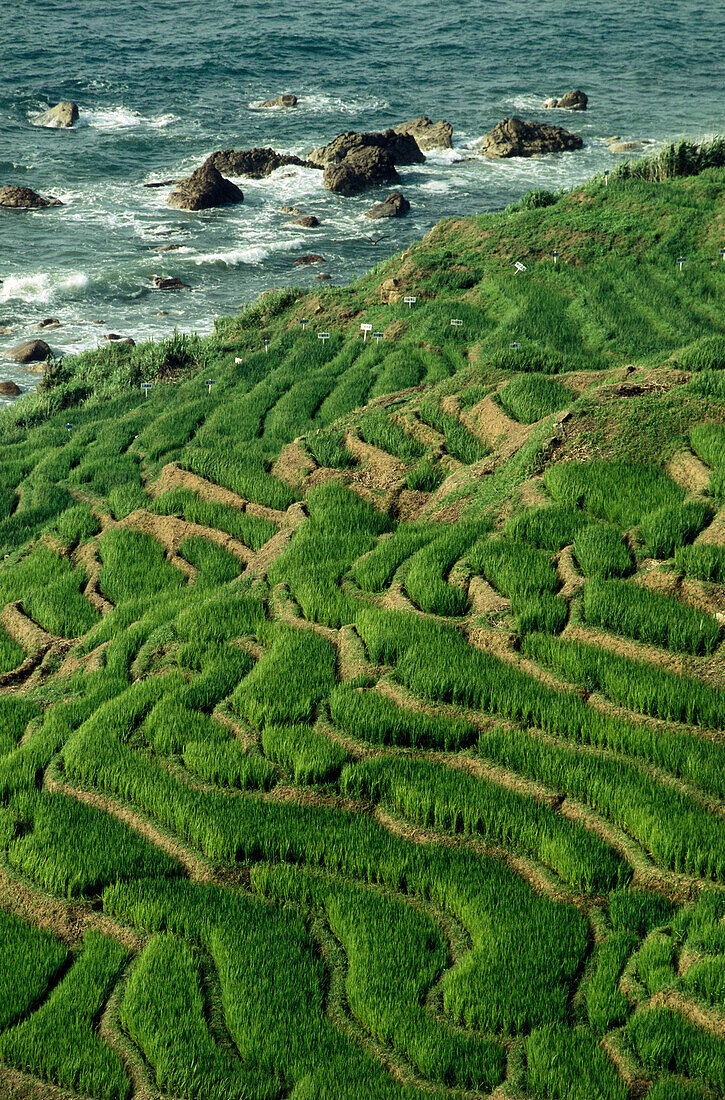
[575,100]
[204,188]
[514,138]
[280,101]
[255,163]
[23,198]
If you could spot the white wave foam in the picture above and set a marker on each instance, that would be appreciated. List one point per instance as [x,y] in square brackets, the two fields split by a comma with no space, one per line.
[445,157]
[327,104]
[123,118]
[40,289]
[252,254]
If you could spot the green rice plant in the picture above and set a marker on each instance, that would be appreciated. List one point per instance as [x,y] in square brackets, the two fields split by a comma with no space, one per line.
[124,499]
[569,1064]
[39,502]
[228,764]
[708,383]
[58,1042]
[133,565]
[340,529]
[680,834]
[253,531]
[15,713]
[171,725]
[102,471]
[669,528]
[374,572]
[214,564]
[60,608]
[461,803]
[602,552]
[351,389]
[607,1007]
[76,524]
[460,442]
[241,471]
[289,680]
[513,568]
[388,635]
[620,492]
[638,911]
[532,397]
[30,959]
[37,569]
[655,962]
[705,354]
[308,754]
[429,567]
[705,562]
[375,718]
[172,429]
[11,654]
[539,612]
[644,688]
[425,477]
[73,849]
[328,448]
[669,1088]
[378,429]
[706,979]
[649,617]
[399,370]
[220,619]
[163,1010]
[224,667]
[663,1040]
[550,528]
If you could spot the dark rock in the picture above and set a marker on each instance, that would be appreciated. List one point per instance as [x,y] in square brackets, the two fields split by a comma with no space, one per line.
[49,322]
[291,210]
[401,148]
[169,284]
[160,183]
[31,351]
[310,258]
[206,187]
[514,138]
[255,163]
[9,389]
[59,117]
[114,338]
[570,101]
[323,275]
[428,134]
[22,198]
[624,146]
[280,101]
[167,247]
[395,206]
[366,167]
[309,221]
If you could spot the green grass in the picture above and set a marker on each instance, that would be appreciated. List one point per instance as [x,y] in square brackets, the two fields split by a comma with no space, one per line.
[649,617]
[602,552]
[704,562]
[251,530]
[308,755]
[669,528]
[289,680]
[31,958]
[373,717]
[458,440]
[133,565]
[532,397]
[620,492]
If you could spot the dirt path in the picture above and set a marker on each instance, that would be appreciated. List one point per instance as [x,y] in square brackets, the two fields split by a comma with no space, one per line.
[714,533]
[485,600]
[293,465]
[87,557]
[295,515]
[571,579]
[489,422]
[24,631]
[707,1017]
[351,656]
[687,470]
[171,531]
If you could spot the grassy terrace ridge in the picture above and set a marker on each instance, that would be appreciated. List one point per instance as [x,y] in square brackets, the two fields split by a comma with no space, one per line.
[362,715]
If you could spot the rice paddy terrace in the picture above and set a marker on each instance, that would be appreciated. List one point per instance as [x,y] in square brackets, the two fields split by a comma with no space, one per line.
[362,712]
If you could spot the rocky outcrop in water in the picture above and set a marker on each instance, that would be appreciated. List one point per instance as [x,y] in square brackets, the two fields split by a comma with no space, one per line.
[369,166]
[428,134]
[401,148]
[255,163]
[310,258]
[575,100]
[171,283]
[514,138]
[31,351]
[395,206]
[22,198]
[204,188]
[308,221]
[60,117]
[280,101]
[9,389]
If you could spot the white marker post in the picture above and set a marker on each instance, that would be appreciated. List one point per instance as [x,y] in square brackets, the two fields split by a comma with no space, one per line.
[410,300]
[722,253]
[365,329]
[378,336]
[519,267]
[147,387]
[681,261]
[515,346]
[210,382]
[266,347]
[456,322]
[304,321]
[323,336]
[606,177]
[69,427]
[238,359]
[555,256]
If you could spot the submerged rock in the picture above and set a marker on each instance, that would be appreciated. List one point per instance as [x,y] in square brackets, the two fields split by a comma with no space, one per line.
[395,206]
[575,100]
[310,258]
[48,322]
[428,134]
[309,221]
[514,138]
[624,146]
[60,117]
[280,101]
[255,163]
[9,389]
[205,188]
[31,351]
[22,198]
[168,284]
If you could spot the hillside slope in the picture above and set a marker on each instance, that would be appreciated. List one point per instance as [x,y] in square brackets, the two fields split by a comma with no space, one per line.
[362,702]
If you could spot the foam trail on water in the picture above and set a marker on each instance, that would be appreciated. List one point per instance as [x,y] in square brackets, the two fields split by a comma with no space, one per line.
[41,288]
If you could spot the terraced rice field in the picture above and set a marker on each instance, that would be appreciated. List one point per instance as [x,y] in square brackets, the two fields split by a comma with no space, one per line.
[316,785]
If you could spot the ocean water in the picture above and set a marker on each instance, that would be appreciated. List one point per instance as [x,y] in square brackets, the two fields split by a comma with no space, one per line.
[161,85]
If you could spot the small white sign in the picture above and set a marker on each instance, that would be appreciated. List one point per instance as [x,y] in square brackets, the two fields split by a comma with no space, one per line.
[514,346]
[410,300]
[457,322]
[378,336]
[323,336]
[519,266]
[365,329]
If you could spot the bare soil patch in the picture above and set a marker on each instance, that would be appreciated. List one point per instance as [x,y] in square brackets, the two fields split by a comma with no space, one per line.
[689,472]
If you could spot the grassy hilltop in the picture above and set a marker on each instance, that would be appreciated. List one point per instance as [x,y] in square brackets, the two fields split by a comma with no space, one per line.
[362,715]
